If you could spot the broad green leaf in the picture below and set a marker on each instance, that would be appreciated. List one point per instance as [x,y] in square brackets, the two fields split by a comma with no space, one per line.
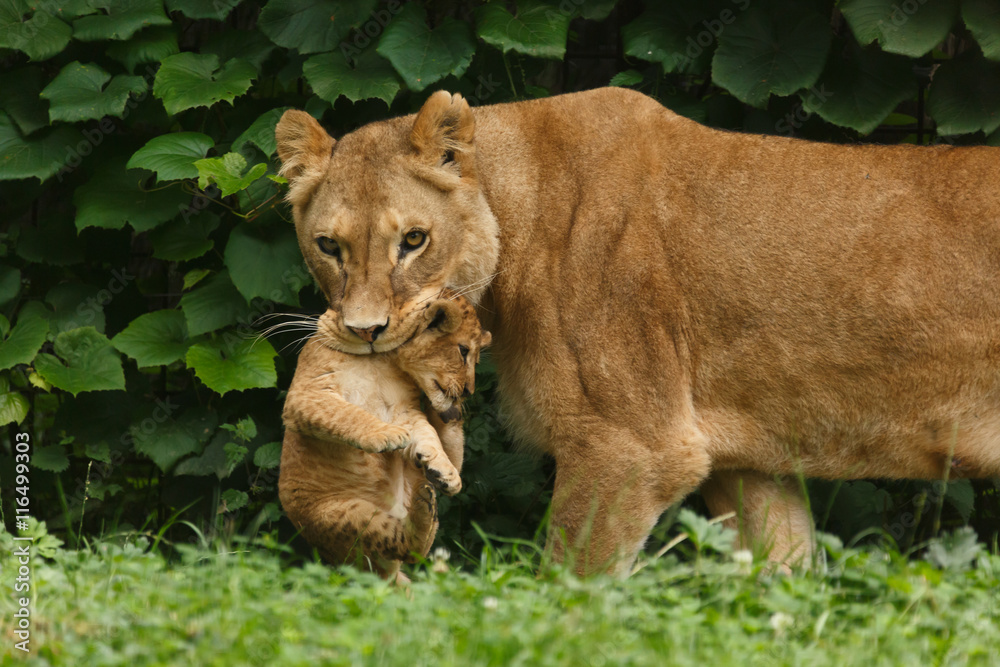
[116,195]
[172,156]
[194,276]
[234,499]
[422,55]
[21,99]
[87,92]
[210,462]
[261,262]
[261,132]
[26,337]
[10,283]
[227,173]
[311,26]
[907,28]
[149,46]
[964,95]
[86,362]
[41,36]
[189,80]
[627,78]
[51,458]
[536,29]
[370,75]
[203,9]
[52,241]
[216,303]
[155,339]
[181,240]
[230,363]
[121,20]
[596,10]
[268,456]
[982,17]
[168,439]
[40,156]
[13,407]
[675,35]
[765,52]
[77,304]
[962,497]
[860,91]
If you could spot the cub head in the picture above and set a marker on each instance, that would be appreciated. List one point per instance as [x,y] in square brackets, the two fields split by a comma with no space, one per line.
[442,357]
[388,217]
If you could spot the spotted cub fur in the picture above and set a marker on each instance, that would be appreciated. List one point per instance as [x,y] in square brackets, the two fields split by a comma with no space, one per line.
[360,458]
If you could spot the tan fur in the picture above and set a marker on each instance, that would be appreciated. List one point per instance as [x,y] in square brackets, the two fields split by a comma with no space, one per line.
[357,445]
[675,305]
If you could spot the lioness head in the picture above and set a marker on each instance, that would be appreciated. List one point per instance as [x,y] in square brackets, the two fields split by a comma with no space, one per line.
[387,217]
[442,357]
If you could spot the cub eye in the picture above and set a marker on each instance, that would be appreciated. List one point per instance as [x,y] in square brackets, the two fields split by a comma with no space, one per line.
[414,239]
[464,351]
[329,246]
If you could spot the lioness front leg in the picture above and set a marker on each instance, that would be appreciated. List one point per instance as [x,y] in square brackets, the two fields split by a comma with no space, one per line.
[320,412]
[426,451]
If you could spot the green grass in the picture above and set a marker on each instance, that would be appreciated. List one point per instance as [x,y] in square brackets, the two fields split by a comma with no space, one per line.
[125,604]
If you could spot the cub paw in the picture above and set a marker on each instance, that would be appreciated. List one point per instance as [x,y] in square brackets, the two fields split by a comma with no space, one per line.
[438,468]
[427,498]
[388,439]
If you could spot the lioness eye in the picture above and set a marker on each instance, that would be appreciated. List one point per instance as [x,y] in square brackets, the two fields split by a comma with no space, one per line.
[414,239]
[329,246]
[464,351]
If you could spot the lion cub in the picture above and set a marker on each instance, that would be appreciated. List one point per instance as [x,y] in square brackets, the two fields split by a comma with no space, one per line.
[358,451]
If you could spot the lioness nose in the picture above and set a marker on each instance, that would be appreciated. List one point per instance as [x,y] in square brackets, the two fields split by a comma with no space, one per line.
[370,334]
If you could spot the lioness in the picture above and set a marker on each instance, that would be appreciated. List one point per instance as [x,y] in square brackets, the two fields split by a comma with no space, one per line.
[676,306]
[357,445]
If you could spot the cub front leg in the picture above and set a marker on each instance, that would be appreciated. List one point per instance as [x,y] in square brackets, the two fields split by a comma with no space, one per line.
[452,437]
[320,412]
[426,451]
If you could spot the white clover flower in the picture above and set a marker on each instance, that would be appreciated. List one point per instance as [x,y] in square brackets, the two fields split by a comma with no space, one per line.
[490,602]
[780,622]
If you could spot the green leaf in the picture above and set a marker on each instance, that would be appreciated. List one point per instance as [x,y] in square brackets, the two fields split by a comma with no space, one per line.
[86,92]
[172,156]
[149,46]
[982,17]
[10,283]
[596,10]
[962,497]
[536,29]
[964,95]
[121,20]
[311,26]
[155,339]
[252,46]
[213,305]
[669,34]
[268,456]
[166,439]
[21,98]
[227,173]
[189,80]
[777,52]
[627,78]
[51,459]
[115,196]
[907,28]
[53,241]
[230,363]
[88,362]
[13,407]
[41,156]
[193,277]
[421,55]
[77,304]
[203,9]
[261,132]
[180,240]
[41,36]
[371,75]
[24,340]
[861,91]
[234,499]
[261,262]
[211,462]
[954,551]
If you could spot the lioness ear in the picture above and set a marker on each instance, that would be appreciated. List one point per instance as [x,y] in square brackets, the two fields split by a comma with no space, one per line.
[304,148]
[485,340]
[443,132]
[444,316]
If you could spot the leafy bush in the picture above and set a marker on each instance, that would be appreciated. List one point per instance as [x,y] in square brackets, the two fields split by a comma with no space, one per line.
[145,237]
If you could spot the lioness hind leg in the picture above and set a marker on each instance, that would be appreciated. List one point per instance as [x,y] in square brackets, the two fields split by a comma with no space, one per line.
[771,516]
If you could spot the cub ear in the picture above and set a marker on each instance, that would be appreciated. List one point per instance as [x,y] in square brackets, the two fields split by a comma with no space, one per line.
[443,132]
[485,340]
[304,148]
[443,315]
